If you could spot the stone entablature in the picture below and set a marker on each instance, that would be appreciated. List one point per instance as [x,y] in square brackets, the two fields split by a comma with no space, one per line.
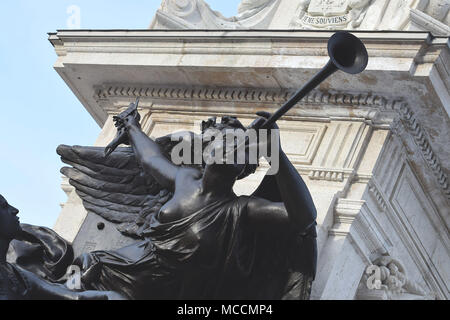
[376,109]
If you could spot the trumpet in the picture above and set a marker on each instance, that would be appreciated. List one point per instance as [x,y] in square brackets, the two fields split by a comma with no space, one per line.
[347,53]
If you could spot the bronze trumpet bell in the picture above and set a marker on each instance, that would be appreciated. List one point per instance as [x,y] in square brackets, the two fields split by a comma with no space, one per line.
[347,52]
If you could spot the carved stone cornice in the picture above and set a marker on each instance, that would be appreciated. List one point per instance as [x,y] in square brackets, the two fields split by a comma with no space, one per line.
[327,174]
[378,196]
[238,95]
[324,106]
[412,126]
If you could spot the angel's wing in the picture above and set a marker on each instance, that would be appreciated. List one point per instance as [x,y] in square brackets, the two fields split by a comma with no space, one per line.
[113,187]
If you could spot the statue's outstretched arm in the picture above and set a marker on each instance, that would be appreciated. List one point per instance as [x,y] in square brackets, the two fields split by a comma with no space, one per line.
[150,156]
[296,211]
[299,208]
[295,195]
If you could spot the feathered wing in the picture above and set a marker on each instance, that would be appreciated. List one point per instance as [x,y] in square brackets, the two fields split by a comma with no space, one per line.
[113,187]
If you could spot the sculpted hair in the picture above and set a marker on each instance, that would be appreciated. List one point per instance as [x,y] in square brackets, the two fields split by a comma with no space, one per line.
[226,123]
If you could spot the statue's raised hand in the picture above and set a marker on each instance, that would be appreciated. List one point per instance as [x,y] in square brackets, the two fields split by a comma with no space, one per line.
[123,121]
[257,125]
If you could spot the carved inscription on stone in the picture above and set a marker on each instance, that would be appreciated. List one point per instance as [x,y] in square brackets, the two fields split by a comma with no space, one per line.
[330,13]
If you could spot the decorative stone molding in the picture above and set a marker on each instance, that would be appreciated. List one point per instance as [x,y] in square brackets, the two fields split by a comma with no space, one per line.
[238,94]
[411,123]
[327,175]
[386,279]
[422,142]
[374,190]
[345,213]
[374,103]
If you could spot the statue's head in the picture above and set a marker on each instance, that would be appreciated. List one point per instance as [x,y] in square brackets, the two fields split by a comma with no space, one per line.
[9,222]
[231,132]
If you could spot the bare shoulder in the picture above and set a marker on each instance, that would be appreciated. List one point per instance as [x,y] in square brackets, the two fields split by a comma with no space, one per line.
[266,215]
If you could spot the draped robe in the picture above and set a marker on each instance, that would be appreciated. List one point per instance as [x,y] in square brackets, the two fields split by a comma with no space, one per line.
[213,253]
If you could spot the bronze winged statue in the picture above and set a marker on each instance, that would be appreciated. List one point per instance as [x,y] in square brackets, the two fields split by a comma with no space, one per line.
[195,238]
[198,239]
[32,259]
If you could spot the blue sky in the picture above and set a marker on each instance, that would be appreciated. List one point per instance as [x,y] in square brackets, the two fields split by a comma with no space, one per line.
[38,111]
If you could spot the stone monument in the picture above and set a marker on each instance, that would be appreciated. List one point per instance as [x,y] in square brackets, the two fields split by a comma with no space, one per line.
[374,147]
